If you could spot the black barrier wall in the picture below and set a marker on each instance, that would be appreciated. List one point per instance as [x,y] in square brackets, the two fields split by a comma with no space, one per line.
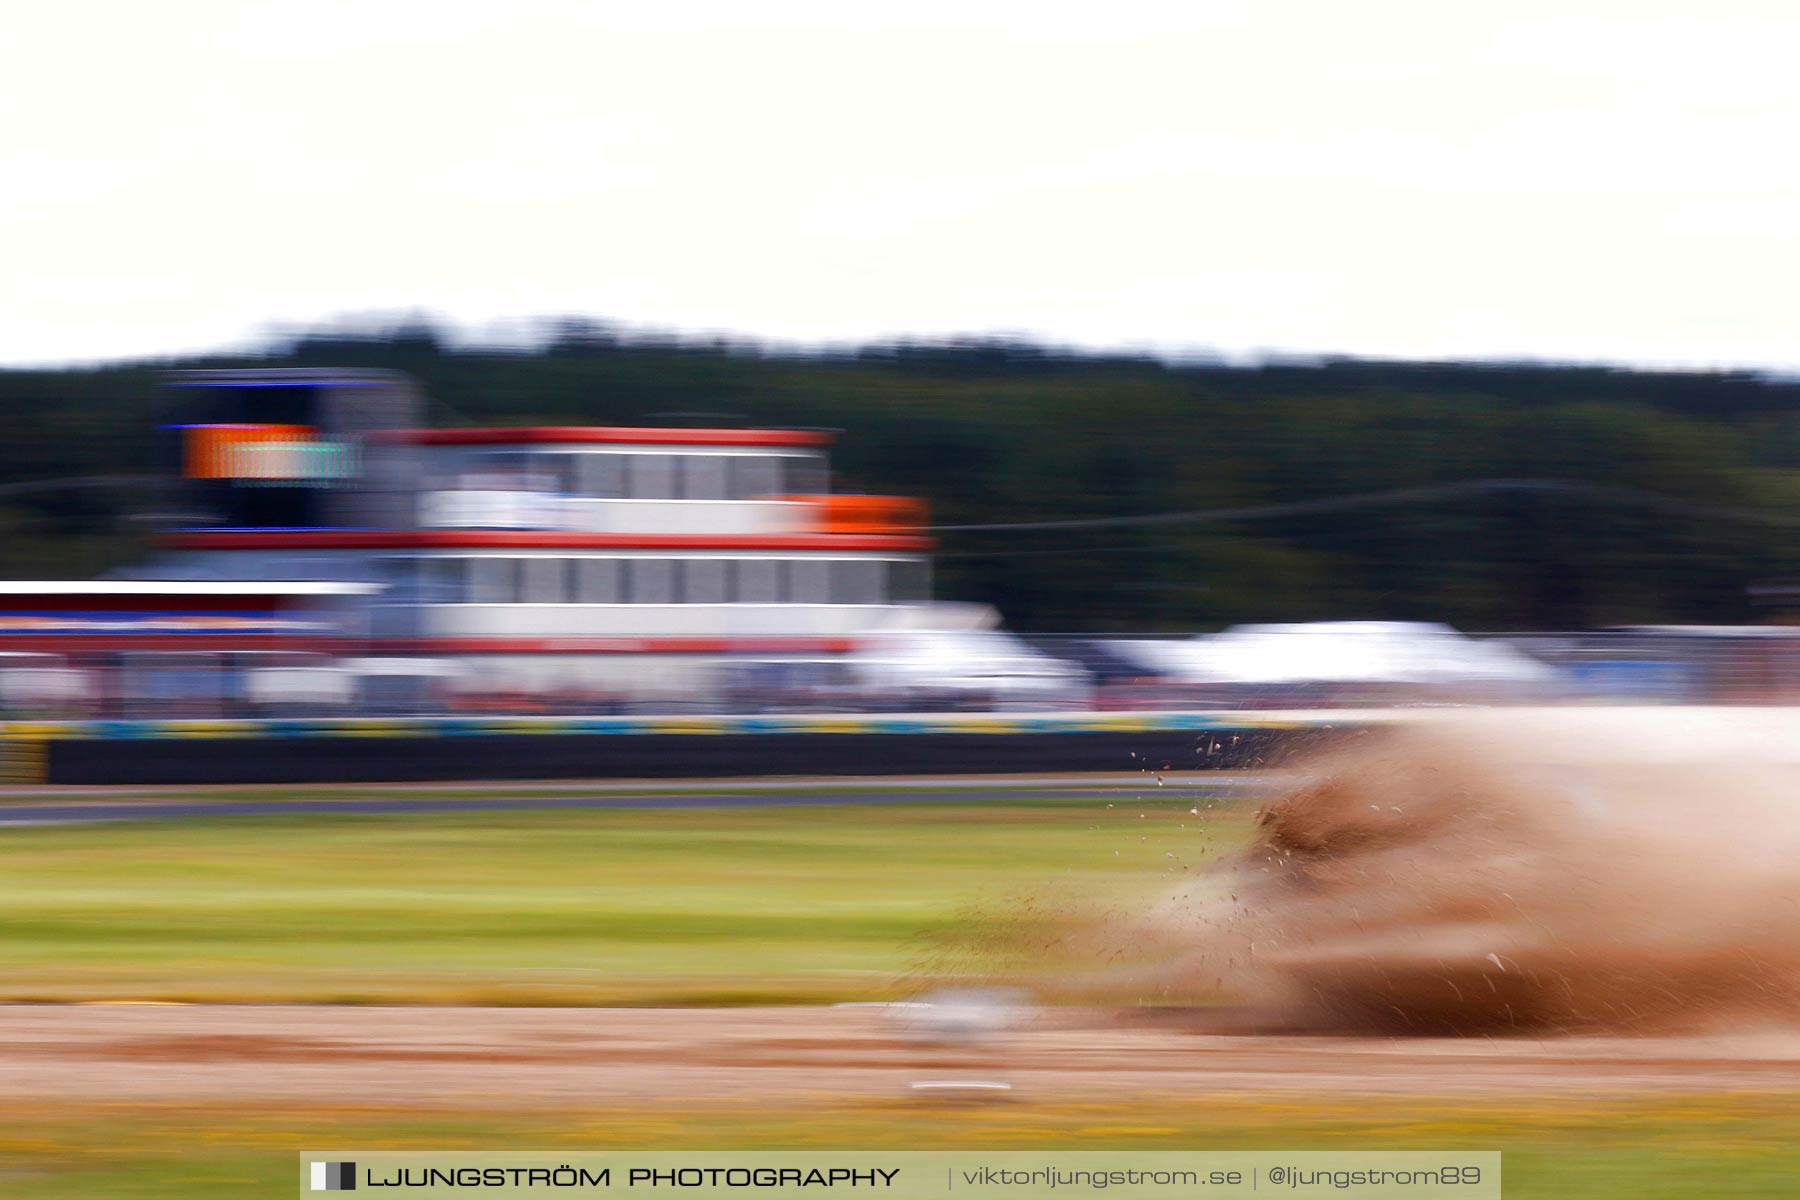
[659,756]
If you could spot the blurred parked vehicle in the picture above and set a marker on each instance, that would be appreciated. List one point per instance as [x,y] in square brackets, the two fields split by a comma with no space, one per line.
[968,668]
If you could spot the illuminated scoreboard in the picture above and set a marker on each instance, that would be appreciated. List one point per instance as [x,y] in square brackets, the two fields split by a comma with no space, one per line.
[270,454]
[291,449]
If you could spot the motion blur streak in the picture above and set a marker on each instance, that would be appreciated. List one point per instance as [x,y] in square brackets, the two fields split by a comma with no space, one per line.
[1486,874]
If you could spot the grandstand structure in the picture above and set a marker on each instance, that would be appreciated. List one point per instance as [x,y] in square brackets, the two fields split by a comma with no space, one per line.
[586,566]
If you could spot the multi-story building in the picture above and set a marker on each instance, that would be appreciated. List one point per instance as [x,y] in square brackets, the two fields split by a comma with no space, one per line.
[597,562]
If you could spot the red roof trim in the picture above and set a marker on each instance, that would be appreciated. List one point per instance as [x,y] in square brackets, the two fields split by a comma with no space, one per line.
[436,539]
[67,644]
[609,645]
[621,435]
[82,643]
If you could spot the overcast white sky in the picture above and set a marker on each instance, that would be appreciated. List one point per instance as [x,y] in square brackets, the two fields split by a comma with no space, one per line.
[1563,180]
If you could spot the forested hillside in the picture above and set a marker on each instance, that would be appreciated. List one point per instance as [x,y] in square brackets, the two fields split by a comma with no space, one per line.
[1697,496]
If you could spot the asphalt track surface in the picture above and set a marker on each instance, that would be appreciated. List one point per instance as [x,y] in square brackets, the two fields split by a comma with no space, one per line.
[759,795]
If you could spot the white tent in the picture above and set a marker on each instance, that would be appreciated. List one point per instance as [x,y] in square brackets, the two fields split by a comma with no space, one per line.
[1346,652]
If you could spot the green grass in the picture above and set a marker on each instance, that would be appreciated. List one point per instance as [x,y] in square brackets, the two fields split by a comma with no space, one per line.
[1662,1148]
[587,907]
[712,906]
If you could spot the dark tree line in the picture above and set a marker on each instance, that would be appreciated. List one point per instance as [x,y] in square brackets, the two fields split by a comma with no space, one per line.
[998,433]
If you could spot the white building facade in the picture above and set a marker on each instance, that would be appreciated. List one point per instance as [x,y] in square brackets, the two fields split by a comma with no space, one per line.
[598,564]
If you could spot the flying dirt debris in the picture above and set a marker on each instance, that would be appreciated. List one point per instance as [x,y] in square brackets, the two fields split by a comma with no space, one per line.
[1490,873]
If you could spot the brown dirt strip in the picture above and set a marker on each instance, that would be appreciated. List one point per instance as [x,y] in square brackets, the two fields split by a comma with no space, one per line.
[504,1057]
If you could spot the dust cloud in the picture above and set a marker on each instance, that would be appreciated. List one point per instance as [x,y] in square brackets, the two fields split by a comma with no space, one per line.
[1500,873]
